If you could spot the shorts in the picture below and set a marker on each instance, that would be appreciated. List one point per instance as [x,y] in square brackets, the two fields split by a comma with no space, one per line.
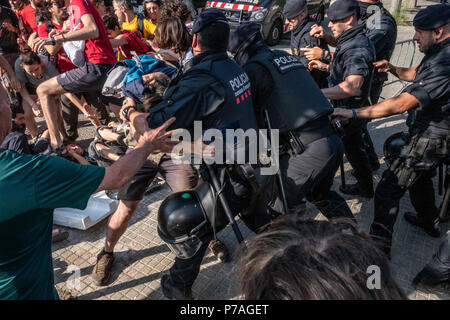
[87,78]
[179,177]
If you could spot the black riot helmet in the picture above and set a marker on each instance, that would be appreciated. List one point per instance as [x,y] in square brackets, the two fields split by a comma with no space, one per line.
[393,145]
[183,219]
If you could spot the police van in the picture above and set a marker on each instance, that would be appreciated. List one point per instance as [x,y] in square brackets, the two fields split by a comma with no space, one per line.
[266,12]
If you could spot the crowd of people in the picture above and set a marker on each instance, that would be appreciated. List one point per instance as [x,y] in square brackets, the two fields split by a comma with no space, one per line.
[139,76]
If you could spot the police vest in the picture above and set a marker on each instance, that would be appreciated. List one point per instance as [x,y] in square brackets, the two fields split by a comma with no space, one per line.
[365,47]
[435,118]
[296,99]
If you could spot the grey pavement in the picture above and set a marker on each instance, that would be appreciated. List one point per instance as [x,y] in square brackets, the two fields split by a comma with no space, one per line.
[142,257]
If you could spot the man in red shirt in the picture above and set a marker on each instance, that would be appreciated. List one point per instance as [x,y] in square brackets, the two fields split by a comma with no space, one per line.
[28,15]
[85,24]
[125,41]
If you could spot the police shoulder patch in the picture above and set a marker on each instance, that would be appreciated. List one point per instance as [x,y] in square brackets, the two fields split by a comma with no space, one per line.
[286,63]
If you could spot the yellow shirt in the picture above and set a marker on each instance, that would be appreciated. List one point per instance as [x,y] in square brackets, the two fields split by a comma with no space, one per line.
[149,28]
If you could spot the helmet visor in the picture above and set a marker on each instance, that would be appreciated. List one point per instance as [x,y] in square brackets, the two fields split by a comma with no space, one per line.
[186,249]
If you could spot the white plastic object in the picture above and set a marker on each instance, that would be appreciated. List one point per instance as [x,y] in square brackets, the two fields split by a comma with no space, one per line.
[99,207]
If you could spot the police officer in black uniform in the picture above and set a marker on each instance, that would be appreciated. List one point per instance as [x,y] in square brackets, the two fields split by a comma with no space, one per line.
[428,100]
[300,23]
[382,31]
[213,89]
[349,85]
[296,107]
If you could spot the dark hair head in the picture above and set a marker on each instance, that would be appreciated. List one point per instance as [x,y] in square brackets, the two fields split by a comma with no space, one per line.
[42,15]
[313,260]
[171,33]
[214,37]
[154,92]
[15,109]
[29,58]
[110,21]
[97,2]
[175,8]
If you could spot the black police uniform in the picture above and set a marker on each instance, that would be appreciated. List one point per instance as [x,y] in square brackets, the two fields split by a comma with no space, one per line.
[205,93]
[382,31]
[300,38]
[429,129]
[354,55]
[298,109]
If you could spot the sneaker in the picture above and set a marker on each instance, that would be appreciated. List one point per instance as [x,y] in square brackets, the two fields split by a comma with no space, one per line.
[102,269]
[219,249]
[172,292]
[432,229]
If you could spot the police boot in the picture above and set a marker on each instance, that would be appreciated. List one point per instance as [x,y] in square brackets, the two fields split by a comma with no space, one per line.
[432,228]
[356,190]
[172,292]
[427,281]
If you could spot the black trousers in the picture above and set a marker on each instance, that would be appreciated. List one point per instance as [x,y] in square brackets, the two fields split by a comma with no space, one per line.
[387,203]
[357,156]
[438,269]
[311,175]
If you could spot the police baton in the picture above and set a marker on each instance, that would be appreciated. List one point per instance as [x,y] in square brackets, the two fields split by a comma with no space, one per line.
[280,178]
[223,201]
[320,13]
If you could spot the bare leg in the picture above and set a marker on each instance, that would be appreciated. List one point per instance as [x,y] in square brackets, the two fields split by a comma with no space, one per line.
[47,91]
[118,222]
[30,122]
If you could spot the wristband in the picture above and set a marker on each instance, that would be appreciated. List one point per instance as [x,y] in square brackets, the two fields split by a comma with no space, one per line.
[355,117]
[322,55]
[53,41]
[328,56]
[125,112]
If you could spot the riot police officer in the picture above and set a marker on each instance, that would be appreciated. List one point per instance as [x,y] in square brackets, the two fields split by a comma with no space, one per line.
[300,23]
[213,89]
[297,108]
[349,85]
[382,31]
[428,100]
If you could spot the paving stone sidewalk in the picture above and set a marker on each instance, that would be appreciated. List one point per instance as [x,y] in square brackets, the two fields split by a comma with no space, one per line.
[142,257]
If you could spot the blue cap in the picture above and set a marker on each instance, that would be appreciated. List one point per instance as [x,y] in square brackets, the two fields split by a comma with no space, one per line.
[243,33]
[432,17]
[341,9]
[293,8]
[207,17]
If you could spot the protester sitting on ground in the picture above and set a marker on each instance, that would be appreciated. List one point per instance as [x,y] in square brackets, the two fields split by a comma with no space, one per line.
[151,10]
[98,56]
[130,21]
[26,270]
[125,41]
[16,140]
[294,259]
[173,36]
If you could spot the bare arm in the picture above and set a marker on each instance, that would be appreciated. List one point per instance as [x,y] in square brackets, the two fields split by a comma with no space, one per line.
[123,169]
[386,108]
[4,64]
[350,87]
[405,74]
[89,31]
[119,41]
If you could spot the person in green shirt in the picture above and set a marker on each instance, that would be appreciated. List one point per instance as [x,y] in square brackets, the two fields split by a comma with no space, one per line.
[31,186]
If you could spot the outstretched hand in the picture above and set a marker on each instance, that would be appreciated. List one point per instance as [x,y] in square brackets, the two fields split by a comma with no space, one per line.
[342,114]
[158,139]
